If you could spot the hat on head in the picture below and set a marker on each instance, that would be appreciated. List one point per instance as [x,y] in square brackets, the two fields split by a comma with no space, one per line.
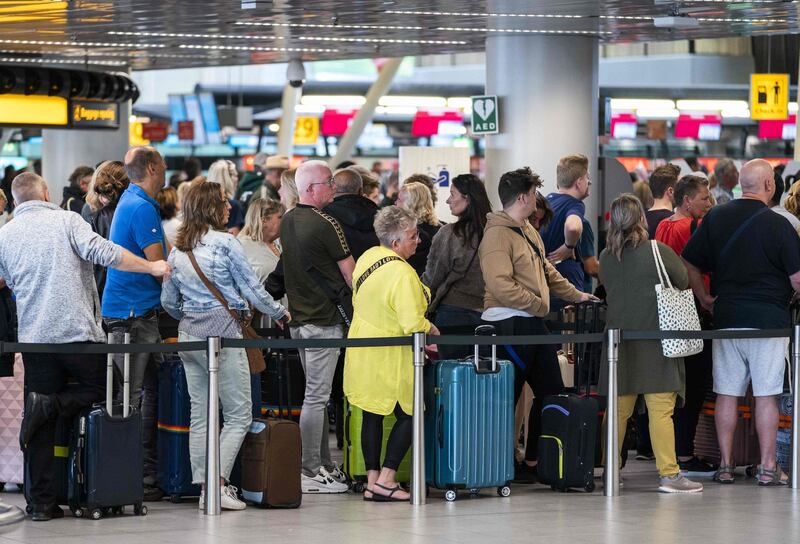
[277,161]
[260,159]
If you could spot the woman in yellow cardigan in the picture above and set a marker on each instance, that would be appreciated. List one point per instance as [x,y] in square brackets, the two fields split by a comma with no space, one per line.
[388,300]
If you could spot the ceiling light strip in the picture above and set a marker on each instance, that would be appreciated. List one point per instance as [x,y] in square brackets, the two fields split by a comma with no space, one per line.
[24,60]
[523,31]
[305,38]
[83,44]
[243,48]
[316,25]
[474,14]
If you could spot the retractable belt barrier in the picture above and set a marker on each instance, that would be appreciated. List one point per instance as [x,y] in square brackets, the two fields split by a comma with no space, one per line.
[417,342]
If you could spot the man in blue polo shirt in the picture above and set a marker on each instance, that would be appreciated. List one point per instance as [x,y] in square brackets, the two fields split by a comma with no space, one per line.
[562,235]
[131,301]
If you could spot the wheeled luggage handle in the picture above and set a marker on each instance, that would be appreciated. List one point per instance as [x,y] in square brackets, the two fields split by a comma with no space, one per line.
[126,377]
[485,330]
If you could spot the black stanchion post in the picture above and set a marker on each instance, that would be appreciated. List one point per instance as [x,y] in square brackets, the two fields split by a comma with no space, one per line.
[418,444]
[795,407]
[611,473]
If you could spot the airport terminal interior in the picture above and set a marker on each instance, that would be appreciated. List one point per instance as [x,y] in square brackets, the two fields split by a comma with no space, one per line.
[437,90]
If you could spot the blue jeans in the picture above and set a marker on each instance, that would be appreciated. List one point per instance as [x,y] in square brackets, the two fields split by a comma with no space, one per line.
[455,320]
[234,395]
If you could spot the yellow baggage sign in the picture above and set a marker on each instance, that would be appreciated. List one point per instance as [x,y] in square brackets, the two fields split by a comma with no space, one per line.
[769,96]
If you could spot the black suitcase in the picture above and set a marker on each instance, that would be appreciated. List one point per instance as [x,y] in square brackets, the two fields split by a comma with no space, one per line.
[283,383]
[567,443]
[106,460]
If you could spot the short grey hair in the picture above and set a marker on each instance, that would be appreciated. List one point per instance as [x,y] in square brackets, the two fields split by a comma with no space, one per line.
[138,159]
[391,222]
[722,167]
[348,182]
[28,186]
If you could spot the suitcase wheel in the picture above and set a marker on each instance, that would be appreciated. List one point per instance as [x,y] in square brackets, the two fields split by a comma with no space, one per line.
[140,509]
[28,509]
[97,513]
[358,487]
[474,491]
[118,510]
[175,499]
[77,512]
[450,495]
[589,486]
[504,491]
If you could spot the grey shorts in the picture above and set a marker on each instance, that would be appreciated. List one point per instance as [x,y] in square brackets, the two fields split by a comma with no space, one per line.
[740,361]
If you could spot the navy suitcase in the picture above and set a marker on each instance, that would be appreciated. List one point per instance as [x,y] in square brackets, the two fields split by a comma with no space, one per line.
[469,423]
[106,460]
[567,442]
[174,409]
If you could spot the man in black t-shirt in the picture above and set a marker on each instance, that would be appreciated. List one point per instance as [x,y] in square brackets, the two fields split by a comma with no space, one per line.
[662,185]
[318,268]
[753,256]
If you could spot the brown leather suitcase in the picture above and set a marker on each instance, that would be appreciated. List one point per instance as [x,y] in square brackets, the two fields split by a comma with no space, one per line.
[745,439]
[271,464]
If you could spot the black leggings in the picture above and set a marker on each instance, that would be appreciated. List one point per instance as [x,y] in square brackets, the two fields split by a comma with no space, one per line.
[372,439]
[698,381]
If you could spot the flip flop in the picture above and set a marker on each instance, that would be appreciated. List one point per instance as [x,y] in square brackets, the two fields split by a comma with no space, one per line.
[377,497]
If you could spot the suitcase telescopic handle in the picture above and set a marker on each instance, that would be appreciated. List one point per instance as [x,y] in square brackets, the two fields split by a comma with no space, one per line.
[485,330]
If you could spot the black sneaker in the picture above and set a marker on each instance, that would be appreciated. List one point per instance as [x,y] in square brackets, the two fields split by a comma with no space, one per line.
[152,494]
[695,467]
[525,474]
[46,514]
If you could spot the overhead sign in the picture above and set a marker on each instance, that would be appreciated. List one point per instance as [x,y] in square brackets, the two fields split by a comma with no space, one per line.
[623,126]
[778,130]
[769,96]
[306,131]
[485,115]
[22,110]
[186,131]
[702,127]
[336,122]
[155,131]
[442,164]
[86,114]
[426,123]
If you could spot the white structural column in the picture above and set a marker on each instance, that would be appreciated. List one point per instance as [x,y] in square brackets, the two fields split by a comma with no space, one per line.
[548,101]
[291,98]
[64,150]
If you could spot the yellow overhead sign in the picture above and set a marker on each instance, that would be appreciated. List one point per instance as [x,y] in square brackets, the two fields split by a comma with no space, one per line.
[306,131]
[19,109]
[769,96]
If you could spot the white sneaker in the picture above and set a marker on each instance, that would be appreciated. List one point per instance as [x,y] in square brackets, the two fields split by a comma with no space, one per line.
[335,473]
[321,483]
[679,484]
[228,499]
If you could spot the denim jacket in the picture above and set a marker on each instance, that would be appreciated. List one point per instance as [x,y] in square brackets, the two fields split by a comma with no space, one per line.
[222,259]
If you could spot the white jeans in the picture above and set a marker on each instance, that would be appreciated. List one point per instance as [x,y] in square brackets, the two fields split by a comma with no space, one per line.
[234,395]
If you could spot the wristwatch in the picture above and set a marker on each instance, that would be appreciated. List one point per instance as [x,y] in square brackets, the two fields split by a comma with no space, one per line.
[569,246]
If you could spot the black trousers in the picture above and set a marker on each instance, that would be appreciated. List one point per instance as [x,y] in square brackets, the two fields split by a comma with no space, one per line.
[49,373]
[698,379]
[535,364]
[396,447]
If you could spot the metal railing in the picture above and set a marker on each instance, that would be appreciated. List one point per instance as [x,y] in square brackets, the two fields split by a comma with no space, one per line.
[417,342]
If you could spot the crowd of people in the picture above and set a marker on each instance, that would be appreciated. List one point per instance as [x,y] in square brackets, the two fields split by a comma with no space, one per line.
[301,246]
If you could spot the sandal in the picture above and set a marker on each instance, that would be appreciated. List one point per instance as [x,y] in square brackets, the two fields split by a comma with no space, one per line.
[377,497]
[371,495]
[770,478]
[725,474]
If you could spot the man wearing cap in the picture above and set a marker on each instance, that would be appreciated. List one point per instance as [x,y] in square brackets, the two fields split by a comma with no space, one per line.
[266,175]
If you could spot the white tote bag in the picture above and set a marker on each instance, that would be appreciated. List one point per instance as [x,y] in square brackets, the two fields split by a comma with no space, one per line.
[676,312]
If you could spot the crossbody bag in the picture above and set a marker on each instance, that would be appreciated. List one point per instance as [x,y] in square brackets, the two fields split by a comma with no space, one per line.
[255,357]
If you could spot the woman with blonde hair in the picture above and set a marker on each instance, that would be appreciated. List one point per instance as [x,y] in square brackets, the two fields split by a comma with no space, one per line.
[288,191]
[416,198]
[629,273]
[792,202]
[224,172]
[259,237]
[642,191]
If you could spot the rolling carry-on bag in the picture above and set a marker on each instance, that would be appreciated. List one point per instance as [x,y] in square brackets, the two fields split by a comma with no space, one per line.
[469,423]
[174,465]
[353,465]
[12,404]
[271,464]
[567,442]
[106,462]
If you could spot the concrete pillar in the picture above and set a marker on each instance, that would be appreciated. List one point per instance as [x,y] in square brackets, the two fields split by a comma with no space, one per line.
[548,101]
[291,98]
[64,150]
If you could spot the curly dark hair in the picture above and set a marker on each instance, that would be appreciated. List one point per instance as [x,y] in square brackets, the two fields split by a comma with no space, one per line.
[515,183]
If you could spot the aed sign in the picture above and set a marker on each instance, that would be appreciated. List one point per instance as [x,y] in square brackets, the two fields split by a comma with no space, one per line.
[485,115]
[769,97]
[306,131]
[85,114]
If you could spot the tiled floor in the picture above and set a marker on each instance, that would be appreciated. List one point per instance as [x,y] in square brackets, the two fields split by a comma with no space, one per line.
[741,513]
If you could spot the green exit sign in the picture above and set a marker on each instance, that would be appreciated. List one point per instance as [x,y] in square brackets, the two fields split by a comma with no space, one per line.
[485,115]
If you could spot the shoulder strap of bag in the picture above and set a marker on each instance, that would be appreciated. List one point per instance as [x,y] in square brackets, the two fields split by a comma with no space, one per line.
[372,269]
[738,232]
[211,287]
[663,277]
[519,231]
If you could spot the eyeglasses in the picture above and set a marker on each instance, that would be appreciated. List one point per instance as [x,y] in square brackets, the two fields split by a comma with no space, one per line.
[329,183]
